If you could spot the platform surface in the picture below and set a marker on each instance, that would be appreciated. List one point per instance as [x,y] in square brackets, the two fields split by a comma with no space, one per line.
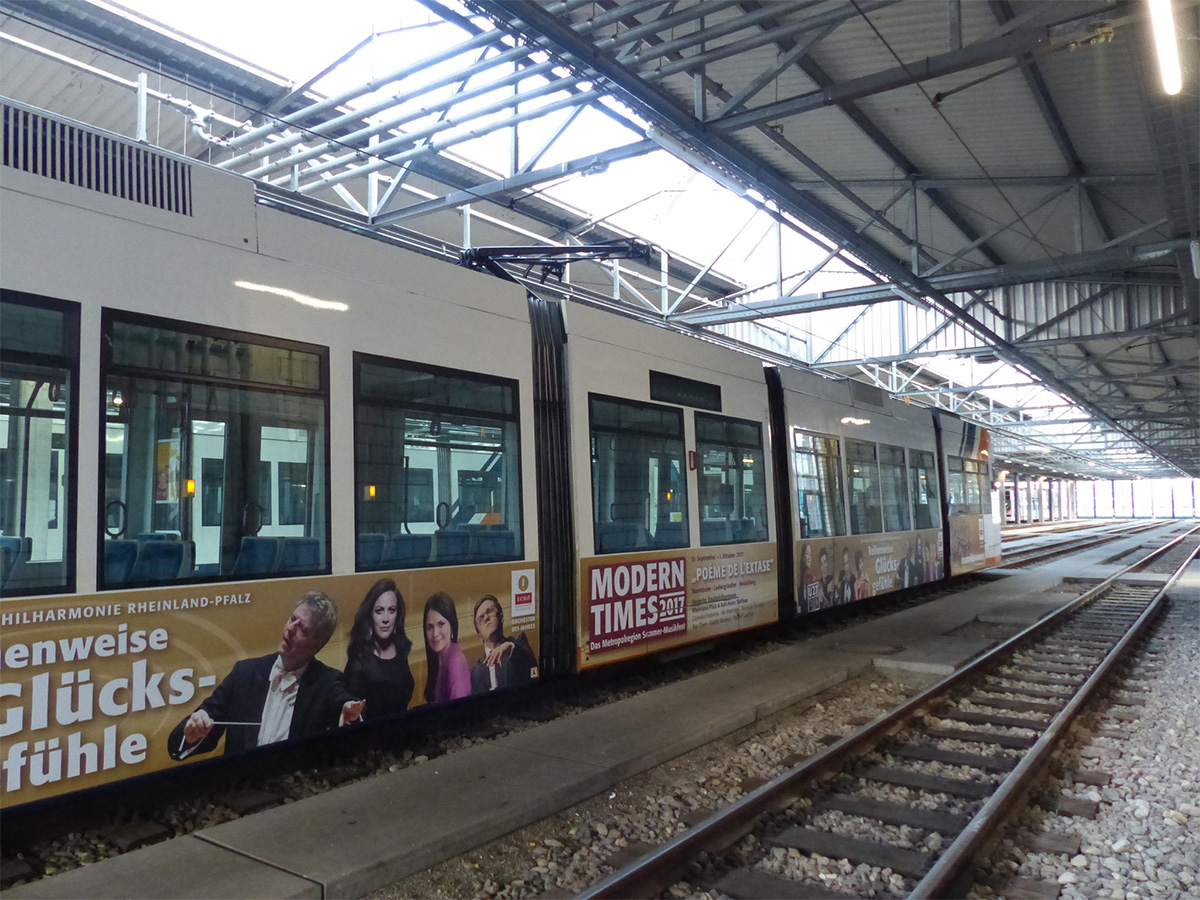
[355,839]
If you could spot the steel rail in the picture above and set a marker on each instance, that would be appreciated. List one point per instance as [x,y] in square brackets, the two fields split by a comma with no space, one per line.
[658,869]
[1022,557]
[942,880]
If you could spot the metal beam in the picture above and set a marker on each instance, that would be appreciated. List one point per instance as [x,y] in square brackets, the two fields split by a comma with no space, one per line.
[1025,41]
[535,23]
[1094,262]
[885,145]
[495,189]
[1003,12]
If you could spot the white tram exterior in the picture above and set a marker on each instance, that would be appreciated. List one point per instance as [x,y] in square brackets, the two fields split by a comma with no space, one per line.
[212,406]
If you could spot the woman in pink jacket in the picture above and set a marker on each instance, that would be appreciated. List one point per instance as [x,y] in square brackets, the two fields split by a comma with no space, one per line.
[447,674]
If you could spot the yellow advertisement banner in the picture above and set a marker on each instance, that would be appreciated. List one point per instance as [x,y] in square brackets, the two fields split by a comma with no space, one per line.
[834,571]
[632,604]
[92,686]
[968,545]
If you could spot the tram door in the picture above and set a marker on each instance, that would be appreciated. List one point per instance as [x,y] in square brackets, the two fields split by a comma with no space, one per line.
[277,495]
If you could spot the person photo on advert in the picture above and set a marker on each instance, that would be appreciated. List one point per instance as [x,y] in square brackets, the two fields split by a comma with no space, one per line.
[504,661]
[287,694]
[377,667]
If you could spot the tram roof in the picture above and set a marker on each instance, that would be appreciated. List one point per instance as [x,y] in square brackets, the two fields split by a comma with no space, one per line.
[990,207]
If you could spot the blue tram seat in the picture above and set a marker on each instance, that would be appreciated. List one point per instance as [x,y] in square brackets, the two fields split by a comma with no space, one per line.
[158,562]
[119,557]
[14,551]
[187,567]
[300,556]
[371,545]
[715,531]
[617,537]
[495,545]
[406,551]
[256,557]
[748,530]
[453,547]
[671,534]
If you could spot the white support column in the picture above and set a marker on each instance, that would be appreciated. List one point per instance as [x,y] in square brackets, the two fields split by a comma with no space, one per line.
[664,260]
[372,182]
[466,223]
[141,106]
[779,256]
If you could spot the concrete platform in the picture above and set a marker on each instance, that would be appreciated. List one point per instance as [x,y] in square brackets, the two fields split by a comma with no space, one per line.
[934,656]
[1187,589]
[360,837]
[1023,613]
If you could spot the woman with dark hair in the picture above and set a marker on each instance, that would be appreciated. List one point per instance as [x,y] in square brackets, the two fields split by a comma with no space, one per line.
[862,589]
[377,658]
[448,676]
[505,661]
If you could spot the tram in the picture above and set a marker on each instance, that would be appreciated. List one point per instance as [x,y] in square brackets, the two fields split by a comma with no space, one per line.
[210,406]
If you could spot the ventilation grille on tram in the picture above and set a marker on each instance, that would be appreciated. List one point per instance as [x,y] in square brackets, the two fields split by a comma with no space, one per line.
[44,146]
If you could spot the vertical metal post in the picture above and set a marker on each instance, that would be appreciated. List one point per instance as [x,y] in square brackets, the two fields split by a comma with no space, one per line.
[953,24]
[616,270]
[664,258]
[779,257]
[1079,218]
[141,106]
[296,151]
[514,148]
[916,242]
[466,222]
[373,183]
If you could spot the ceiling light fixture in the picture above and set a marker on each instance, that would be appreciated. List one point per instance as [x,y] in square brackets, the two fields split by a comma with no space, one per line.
[1166,44]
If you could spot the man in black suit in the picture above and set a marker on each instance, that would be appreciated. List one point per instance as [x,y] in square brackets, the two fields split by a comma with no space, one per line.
[283,695]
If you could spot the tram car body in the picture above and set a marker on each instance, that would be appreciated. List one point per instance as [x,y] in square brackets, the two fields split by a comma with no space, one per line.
[212,406]
[674,512]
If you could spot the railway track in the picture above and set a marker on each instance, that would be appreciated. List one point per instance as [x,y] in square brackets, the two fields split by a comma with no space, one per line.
[952,764]
[1018,557]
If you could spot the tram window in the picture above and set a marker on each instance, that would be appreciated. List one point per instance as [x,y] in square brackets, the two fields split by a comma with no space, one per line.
[733,491]
[866,514]
[922,474]
[967,482]
[437,465]
[39,353]
[819,485]
[894,482]
[216,443]
[639,484]
[956,486]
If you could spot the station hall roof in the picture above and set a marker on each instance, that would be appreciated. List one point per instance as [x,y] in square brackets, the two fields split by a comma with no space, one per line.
[987,206]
